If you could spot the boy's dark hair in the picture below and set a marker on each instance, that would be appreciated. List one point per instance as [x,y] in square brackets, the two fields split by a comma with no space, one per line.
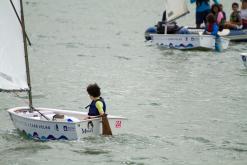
[93,90]
[235,4]
[210,18]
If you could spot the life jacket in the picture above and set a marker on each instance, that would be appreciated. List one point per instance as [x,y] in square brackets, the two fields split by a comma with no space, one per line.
[210,27]
[235,17]
[93,111]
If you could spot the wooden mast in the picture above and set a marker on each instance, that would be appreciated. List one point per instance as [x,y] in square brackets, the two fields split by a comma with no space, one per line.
[26,58]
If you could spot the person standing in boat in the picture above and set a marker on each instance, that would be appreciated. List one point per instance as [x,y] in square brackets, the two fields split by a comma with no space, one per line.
[202,10]
[243,13]
[97,106]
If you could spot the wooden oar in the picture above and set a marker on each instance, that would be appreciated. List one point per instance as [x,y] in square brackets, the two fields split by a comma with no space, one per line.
[106,129]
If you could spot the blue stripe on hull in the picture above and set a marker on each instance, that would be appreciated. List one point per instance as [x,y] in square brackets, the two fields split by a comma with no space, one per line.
[181,46]
[43,138]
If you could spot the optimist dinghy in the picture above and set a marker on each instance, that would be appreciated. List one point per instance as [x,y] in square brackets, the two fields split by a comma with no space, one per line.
[182,41]
[56,124]
[39,123]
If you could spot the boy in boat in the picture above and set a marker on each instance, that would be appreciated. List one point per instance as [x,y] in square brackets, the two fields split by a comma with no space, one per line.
[97,106]
[235,18]
[202,10]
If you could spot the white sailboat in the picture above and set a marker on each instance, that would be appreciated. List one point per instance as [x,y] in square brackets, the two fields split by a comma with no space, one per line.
[39,123]
[175,10]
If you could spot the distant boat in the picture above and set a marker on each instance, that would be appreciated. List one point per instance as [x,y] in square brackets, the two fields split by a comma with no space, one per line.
[175,10]
[244,59]
[233,35]
[39,123]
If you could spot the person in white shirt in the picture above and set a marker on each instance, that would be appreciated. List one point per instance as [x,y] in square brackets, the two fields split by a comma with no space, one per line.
[243,13]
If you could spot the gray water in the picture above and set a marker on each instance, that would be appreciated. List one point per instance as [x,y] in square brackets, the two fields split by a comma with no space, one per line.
[183,107]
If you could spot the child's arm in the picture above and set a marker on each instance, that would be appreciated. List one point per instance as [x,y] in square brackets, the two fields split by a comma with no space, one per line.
[99,106]
[220,18]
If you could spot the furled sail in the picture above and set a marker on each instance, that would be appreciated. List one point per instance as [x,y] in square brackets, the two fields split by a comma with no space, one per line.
[176,9]
[12,60]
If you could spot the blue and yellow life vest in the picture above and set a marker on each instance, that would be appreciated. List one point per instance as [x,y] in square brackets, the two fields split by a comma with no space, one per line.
[93,111]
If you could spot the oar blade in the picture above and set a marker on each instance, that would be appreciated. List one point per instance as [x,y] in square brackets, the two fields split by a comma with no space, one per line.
[106,129]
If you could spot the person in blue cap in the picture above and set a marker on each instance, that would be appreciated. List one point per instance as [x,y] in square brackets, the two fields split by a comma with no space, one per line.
[202,10]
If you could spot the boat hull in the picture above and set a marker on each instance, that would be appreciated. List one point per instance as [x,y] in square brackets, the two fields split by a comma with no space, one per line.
[73,127]
[187,41]
[237,35]
[232,35]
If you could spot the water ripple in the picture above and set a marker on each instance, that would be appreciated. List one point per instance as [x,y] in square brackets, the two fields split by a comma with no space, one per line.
[91,151]
[198,139]
[122,58]
[235,149]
